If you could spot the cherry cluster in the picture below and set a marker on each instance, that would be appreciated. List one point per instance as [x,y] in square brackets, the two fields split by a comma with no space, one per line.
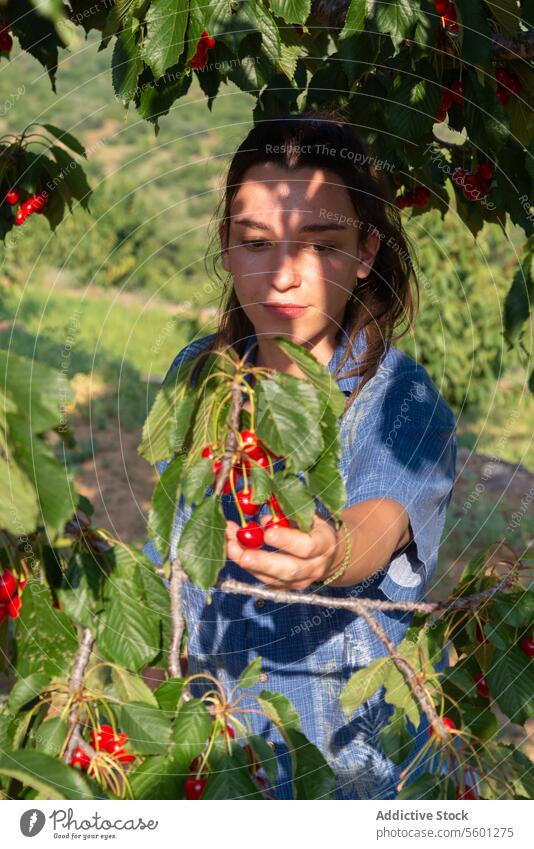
[6,41]
[418,198]
[205,43]
[10,594]
[103,738]
[33,203]
[508,83]
[447,13]
[474,185]
[195,784]
[453,94]
[250,535]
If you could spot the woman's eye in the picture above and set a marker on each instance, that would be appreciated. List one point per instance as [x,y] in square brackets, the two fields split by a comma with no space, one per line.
[254,243]
[321,248]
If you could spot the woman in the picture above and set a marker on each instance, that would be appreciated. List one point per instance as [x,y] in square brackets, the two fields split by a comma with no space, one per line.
[307,223]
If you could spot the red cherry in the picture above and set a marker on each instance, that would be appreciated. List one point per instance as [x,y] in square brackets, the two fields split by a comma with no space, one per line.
[527,644]
[207,452]
[80,758]
[421,196]
[482,686]
[485,171]
[207,40]
[502,75]
[441,6]
[514,83]
[27,206]
[448,723]
[20,217]
[8,585]
[194,787]
[101,736]
[244,499]
[12,196]
[120,755]
[250,535]
[198,61]
[6,42]
[467,794]
[13,606]
[299,30]
[280,522]
[459,175]
[228,729]
[502,95]
[275,504]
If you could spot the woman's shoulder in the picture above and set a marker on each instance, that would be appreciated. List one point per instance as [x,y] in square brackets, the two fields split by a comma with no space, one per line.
[191,350]
[403,379]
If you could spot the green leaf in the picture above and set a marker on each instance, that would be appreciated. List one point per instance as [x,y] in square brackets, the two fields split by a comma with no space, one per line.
[46,639]
[155,444]
[80,593]
[132,688]
[129,633]
[168,695]
[515,608]
[288,413]
[73,176]
[126,65]
[398,693]
[27,689]
[313,778]
[511,682]
[316,372]
[261,483]
[265,755]
[19,507]
[357,13]
[229,780]
[519,299]
[415,103]
[163,506]
[396,19]
[191,730]
[480,719]
[425,787]
[291,11]
[295,500]
[147,727]
[250,674]
[361,686]
[181,421]
[326,482]
[395,738]
[66,138]
[279,709]
[163,43]
[156,778]
[475,32]
[197,479]
[202,543]
[37,387]
[52,778]
[51,735]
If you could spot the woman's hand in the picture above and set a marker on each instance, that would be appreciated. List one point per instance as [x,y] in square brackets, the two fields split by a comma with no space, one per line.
[302,558]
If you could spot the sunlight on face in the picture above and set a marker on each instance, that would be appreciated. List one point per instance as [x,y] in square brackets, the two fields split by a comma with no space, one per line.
[295,239]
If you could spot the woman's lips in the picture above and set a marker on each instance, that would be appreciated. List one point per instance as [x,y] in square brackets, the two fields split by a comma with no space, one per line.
[285,312]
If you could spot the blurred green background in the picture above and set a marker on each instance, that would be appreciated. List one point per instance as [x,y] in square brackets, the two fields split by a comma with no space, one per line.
[113,296]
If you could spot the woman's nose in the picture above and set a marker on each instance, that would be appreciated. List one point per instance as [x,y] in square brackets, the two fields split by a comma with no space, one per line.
[287,272]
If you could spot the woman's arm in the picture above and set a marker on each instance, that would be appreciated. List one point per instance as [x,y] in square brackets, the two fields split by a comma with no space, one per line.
[378,526]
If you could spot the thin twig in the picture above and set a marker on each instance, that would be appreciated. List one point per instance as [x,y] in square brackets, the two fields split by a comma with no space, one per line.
[177,618]
[75,688]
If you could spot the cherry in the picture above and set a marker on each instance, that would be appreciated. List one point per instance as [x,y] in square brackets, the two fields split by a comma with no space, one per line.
[200,58]
[207,40]
[485,171]
[228,729]
[250,535]
[244,498]
[299,30]
[80,758]
[207,452]
[27,207]
[194,787]
[447,722]
[467,794]
[39,201]
[12,196]
[273,501]
[441,6]
[20,217]
[502,75]
[8,585]
[13,606]
[482,686]
[280,522]
[6,42]
[527,644]
[421,196]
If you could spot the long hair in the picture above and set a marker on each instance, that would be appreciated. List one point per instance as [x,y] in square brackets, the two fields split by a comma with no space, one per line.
[384,304]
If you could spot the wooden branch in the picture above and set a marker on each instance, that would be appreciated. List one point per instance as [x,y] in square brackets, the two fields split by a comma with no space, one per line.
[505,48]
[75,688]
[177,619]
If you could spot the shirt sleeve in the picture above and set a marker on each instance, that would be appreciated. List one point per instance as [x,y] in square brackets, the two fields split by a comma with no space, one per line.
[403,447]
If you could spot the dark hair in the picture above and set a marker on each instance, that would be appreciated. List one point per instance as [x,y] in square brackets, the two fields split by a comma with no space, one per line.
[384,300]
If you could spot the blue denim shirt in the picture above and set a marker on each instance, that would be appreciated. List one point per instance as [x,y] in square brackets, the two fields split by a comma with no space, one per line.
[398,442]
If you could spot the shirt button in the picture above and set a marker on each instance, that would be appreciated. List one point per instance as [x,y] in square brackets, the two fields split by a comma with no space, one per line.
[263,677]
[259,603]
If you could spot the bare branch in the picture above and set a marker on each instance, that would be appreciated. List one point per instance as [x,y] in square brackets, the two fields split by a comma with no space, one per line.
[76,688]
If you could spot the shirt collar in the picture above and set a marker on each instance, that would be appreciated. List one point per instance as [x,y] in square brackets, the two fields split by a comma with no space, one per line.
[346,384]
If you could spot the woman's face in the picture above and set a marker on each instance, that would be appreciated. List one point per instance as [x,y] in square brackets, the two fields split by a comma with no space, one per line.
[294,239]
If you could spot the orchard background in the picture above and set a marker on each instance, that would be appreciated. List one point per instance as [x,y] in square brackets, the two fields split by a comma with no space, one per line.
[103,109]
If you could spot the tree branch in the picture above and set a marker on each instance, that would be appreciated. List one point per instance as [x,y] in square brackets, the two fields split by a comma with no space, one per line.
[75,688]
